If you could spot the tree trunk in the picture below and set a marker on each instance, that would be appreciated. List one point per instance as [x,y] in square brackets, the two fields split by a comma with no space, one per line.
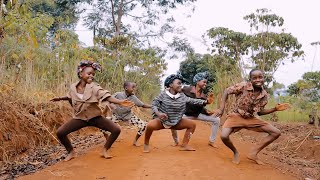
[120,13]
[1,10]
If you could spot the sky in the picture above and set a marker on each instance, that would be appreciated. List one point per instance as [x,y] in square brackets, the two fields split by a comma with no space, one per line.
[300,19]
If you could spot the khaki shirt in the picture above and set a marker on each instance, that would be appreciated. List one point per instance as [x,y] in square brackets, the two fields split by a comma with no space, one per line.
[88,107]
[246,103]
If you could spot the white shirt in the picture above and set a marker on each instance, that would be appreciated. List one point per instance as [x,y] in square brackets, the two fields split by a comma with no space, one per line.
[172,95]
[80,95]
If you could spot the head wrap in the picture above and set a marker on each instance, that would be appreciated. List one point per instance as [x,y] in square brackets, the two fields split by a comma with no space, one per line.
[171,78]
[200,76]
[87,63]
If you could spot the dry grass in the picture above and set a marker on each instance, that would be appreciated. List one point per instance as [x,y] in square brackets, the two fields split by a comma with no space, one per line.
[25,124]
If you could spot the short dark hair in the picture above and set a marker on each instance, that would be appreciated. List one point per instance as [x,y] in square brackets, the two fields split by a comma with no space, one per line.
[127,83]
[253,70]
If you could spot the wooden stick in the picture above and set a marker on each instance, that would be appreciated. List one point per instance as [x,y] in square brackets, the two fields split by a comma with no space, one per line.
[304,139]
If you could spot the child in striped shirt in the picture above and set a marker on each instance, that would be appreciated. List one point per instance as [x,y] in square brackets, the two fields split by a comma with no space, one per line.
[168,109]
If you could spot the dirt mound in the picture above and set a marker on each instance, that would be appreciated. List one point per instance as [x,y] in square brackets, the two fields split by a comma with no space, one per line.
[25,125]
[296,151]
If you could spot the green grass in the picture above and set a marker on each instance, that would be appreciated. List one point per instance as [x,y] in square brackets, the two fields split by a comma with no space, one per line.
[293,114]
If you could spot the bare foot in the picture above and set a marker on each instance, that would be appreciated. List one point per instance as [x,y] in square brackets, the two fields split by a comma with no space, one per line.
[175,144]
[212,144]
[254,157]
[186,148]
[70,156]
[236,158]
[146,149]
[105,154]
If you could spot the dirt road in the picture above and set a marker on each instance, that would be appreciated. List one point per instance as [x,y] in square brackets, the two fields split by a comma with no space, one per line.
[163,162]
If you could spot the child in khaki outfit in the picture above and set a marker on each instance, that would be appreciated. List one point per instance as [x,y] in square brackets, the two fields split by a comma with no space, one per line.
[251,98]
[85,97]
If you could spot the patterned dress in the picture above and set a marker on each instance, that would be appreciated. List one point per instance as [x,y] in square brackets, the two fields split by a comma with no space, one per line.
[246,106]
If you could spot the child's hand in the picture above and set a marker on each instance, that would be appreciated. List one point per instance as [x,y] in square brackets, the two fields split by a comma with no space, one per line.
[127,103]
[209,112]
[55,99]
[282,107]
[217,113]
[210,98]
[162,116]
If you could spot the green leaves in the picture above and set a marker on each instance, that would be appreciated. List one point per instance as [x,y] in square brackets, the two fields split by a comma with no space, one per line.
[141,20]
[228,42]
[307,91]
[268,48]
[263,17]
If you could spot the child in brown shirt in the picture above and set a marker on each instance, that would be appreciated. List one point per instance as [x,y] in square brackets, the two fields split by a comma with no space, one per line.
[251,99]
[85,97]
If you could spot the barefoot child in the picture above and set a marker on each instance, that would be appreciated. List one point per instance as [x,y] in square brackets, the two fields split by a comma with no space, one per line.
[199,112]
[251,99]
[84,97]
[125,114]
[168,109]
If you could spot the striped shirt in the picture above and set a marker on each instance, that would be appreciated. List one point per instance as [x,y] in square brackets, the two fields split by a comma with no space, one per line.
[173,107]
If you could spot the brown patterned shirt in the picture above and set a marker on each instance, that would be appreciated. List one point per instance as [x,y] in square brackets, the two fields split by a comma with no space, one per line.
[246,102]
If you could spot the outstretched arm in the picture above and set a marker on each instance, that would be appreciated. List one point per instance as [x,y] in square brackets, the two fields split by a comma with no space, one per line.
[125,102]
[267,111]
[278,107]
[196,101]
[146,106]
[64,98]
[219,112]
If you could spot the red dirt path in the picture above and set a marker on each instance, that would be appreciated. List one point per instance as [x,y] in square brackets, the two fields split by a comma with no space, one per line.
[163,162]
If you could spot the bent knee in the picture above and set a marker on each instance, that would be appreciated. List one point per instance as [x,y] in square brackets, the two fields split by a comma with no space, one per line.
[60,133]
[193,125]
[116,130]
[276,133]
[224,137]
[142,129]
[216,121]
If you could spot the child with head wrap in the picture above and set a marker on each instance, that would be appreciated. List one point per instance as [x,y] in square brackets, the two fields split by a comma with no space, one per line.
[168,109]
[85,97]
[199,112]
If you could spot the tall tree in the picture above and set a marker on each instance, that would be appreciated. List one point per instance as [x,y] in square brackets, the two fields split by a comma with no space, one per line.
[139,19]
[220,68]
[66,13]
[230,44]
[308,86]
[269,47]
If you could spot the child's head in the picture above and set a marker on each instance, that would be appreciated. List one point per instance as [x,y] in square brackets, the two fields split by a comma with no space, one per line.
[256,77]
[129,87]
[201,79]
[86,70]
[174,82]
